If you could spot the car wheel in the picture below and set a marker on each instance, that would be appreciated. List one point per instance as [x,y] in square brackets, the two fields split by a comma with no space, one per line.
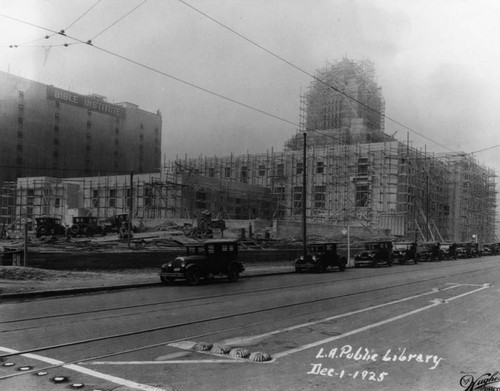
[233,273]
[193,276]
[167,280]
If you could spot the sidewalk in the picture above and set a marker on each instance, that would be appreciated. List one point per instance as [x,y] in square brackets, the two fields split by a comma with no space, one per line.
[45,283]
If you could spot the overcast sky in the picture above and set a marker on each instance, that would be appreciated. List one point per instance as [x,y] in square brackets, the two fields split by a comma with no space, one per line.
[437,61]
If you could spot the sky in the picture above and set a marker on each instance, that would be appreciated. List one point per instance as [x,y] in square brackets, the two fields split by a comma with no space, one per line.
[437,62]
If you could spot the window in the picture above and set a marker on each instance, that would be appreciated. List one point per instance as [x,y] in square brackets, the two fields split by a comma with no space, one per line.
[201,198]
[112,198]
[227,172]
[319,196]
[57,203]
[56,128]
[19,147]
[363,167]
[95,198]
[21,95]
[55,154]
[56,116]
[57,104]
[297,200]
[211,172]
[320,166]
[20,107]
[262,170]
[20,135]
[280,170]
[20,121]
[141,137]
[244,174]
[362,193]
[300,168]
[89,124]
[117,131]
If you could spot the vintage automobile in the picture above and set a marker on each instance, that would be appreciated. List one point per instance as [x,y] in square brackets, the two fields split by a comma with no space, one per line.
[430,251]
[468,250]
[48,226]
[86,225]
[448,251]
[375,253]
[404,252]
[320,257]
[204,260]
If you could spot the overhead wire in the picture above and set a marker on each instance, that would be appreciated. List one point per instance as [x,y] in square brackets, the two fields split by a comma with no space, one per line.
[311,75]
[117,21]
[60,32]
[219,95]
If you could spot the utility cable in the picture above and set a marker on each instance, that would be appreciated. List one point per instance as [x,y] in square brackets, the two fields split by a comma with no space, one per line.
[237,102]
[61,32]
[312,76]
[117,21]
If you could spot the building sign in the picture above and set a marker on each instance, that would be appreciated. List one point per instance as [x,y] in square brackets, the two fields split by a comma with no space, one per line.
[86,102]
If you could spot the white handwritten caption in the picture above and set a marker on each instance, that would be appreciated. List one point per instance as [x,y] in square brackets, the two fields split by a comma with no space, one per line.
[369,355]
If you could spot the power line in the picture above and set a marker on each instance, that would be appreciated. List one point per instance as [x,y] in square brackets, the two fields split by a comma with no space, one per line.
[117,21]
[309,74]
[89,42]
[61,32]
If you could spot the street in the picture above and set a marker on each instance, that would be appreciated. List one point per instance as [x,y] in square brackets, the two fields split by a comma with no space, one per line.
[430,326]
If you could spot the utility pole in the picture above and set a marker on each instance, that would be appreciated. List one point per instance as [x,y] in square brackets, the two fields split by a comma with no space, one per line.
[130,207]
[304,183]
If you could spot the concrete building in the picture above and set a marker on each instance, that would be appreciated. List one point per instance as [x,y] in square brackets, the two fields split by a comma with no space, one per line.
[359,177]
[150,198]
[49,131]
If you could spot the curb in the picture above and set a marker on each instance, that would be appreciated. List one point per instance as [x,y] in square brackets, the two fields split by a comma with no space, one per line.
[85,290]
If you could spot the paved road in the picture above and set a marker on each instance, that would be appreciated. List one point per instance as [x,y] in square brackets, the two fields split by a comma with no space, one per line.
[431,326]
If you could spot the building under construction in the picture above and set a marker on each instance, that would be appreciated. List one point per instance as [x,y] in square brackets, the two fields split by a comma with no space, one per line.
[359,177]
[147,197]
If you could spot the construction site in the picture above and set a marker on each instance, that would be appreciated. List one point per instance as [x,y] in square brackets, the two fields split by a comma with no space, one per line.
[359,180]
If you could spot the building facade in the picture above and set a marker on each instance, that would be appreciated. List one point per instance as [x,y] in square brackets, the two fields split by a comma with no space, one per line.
[48,131]
[358,176]
[149,197]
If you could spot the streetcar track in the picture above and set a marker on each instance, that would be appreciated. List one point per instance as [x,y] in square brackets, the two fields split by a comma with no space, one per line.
[239,314]
[79,321]
[184,299]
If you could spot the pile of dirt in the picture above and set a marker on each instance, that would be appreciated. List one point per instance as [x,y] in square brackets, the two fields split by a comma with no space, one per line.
[20,273]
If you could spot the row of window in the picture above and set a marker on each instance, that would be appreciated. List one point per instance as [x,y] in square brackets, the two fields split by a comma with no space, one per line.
[363,166]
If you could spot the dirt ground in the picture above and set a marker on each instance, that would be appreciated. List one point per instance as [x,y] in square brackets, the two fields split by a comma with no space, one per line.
[17,279]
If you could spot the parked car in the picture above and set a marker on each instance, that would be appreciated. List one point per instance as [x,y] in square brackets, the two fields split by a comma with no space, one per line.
[448,251]
[46,226]
[320,257]
[429,251]
[86,225]
[375,253]
[468,250]
[404,252]
[203,261]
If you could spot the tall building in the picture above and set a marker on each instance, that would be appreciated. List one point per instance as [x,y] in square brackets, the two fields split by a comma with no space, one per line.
[49,131]
[359,177]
